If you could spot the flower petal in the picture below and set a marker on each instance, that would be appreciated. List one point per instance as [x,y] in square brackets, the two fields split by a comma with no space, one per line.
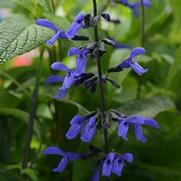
[53,39]
[76,119]
[46,23]
[151,122]
[124,64]
[54,79]
[73,131]
[108,165]
[80,64]
[137,51]
[139,133]
[137,68]
[68,81]
[89,130]
[128,157]
[123,130]
[118,166]
[62,165]
[60,66]
[147,3]
[61,93]
[75,156]
[73,51]
[52,150]
[75,27]
[135,119]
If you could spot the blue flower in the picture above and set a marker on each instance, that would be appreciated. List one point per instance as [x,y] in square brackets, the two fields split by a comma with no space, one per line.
[72,75]
[78,124]
[75,27]
[114,163]
[135,5]
[68,80]
[59,34]
[131,63]
[81,60]
[119,163]
[89,130]
[108,164]
[136,122]
[66,157]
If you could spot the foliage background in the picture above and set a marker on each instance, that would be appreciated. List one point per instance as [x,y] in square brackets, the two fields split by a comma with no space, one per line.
[160,95]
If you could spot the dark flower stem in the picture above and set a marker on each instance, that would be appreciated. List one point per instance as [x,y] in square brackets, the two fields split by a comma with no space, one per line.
[101,86]
[32,114]
[142,42]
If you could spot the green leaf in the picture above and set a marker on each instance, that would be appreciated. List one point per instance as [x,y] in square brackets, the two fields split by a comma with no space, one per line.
[19,35]
[23,116]
[7,99]
[148,107]
[161,171]
[12,167]
[30,173]
[175,68]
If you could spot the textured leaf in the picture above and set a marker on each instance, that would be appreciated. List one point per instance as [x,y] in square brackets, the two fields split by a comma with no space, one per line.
[18,35]
[149,107]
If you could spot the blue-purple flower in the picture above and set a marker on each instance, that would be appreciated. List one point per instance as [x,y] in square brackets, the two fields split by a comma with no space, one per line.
[135,5]
[66,157]
[114,163]
[80,124]
[68,80]
[81,59]
[136,122]
[72,75]
[74,28]
[131,63]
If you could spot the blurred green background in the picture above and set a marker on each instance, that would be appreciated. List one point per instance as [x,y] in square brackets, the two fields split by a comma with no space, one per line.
[156,94]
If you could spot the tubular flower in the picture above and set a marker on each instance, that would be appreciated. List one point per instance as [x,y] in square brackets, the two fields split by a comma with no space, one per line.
[66,157]
[72,75]
[81,59]
[114,163]
[131,63]
[78,124]
[68,80]
[136,122]
[74,28]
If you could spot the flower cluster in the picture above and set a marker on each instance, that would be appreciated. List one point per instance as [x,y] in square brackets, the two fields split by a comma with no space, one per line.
[87,125]
[78,124]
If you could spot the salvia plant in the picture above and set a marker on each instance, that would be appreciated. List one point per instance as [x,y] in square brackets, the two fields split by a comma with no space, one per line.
[85,103]
[107,160]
